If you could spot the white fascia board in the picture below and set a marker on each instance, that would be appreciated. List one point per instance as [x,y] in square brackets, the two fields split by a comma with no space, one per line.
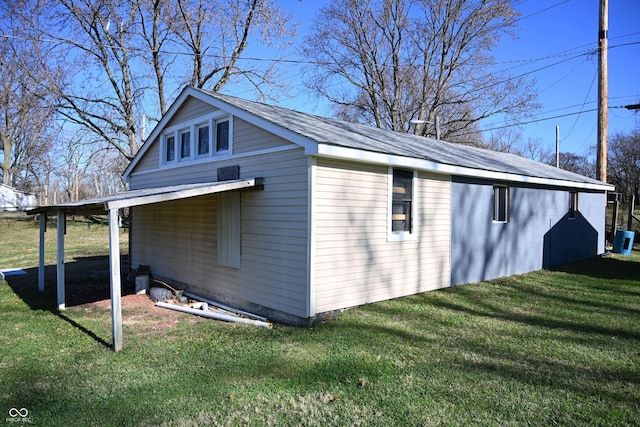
[156,131]
[334,151]
[289,135]
[307,143]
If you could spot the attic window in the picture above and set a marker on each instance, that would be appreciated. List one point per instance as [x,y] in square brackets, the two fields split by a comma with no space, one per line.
[203,140]
[170,148]
[185,144]
[197,140]
[222,135]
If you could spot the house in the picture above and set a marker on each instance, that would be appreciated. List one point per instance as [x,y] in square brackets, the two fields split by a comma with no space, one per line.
[15,200]
[293,216]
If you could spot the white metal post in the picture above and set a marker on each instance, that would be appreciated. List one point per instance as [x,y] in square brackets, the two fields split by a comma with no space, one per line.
[43,228]
[60,226]
[116,294]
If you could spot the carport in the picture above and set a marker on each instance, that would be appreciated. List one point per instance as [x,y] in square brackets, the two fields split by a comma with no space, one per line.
[111,205]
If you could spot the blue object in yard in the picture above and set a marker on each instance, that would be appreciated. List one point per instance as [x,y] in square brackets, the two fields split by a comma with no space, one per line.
[623,242]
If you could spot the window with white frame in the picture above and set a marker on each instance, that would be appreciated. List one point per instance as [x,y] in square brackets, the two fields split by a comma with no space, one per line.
[222,135]
[169,148]
[500,203]
[203,139]
[401,203]
[573,204]
[185,144]
[198,139]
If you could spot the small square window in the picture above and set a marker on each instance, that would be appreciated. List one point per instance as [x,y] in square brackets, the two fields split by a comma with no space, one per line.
[170,148]
[500,203]
[203,140]
[222,135]
[185,144]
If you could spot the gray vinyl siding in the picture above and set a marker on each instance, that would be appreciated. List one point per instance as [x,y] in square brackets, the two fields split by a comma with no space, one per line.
[191,109]
[538,234]
[354,261]
[249,138]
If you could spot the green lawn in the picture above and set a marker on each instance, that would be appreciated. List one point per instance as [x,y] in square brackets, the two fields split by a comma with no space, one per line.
[547,348]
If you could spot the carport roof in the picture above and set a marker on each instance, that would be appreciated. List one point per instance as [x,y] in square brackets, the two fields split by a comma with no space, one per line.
[125,199]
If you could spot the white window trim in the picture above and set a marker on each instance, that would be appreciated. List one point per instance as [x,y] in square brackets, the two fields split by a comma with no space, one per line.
[192,126]
[181,132]
[507,203]
[163,149]
[573,210]
[214,131]
[196,142]
[401,236]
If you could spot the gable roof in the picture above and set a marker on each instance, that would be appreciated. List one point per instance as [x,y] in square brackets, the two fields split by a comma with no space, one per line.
[336,138]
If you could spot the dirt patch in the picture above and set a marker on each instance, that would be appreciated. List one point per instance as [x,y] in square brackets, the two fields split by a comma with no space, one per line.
[140,310]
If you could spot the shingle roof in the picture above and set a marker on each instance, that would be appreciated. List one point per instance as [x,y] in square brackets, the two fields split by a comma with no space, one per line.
[357,136]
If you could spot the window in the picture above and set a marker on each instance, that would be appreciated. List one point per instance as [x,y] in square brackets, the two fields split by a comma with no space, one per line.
[500,203]
[222,135]
[573,204]
[197,140]
[402,201]
[229,229]
[185,144]
[170,148]
[203,140]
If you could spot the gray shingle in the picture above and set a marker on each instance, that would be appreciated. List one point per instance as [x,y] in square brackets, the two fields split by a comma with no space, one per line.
[353,135]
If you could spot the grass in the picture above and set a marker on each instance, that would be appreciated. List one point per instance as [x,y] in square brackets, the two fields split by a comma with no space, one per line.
[547,348]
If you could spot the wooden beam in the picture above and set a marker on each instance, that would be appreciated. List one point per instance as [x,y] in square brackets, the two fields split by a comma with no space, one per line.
[60,227]
[43,228]
[116,293]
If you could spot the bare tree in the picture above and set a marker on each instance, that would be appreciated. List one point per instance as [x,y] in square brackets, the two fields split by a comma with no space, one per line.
[108,60]
[388,62]
[218,32]
[26,119]
[624,162]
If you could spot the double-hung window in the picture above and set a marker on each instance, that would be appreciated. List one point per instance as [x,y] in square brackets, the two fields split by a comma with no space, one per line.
[500,203]
[402,204]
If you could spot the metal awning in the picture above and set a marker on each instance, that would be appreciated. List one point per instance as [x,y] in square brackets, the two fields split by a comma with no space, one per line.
[125,199]
[110,205]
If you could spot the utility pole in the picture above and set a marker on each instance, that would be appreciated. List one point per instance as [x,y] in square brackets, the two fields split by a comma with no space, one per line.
[601,155]
[557,146]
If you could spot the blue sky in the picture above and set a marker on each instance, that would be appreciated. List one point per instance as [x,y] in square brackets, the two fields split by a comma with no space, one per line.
[556,44]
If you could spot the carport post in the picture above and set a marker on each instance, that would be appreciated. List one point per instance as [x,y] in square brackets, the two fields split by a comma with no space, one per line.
[114,263]
[43,228]
[60,226]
